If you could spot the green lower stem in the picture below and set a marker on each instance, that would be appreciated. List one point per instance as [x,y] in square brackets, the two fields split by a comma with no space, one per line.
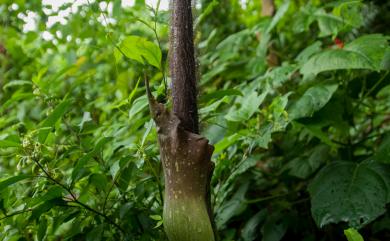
[186,219]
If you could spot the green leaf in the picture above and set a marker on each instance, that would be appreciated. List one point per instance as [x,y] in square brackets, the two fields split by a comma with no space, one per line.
[250,232]
[13,83]
[140,49]
[350,11]
[86,118]
[274,228]
[51,120]
[10,141]
[248,106]
[148,127]
[233,207]
[366,52]
[312,100]
[51,193]
[303,167]
[17,96]
[131,96]
[353,235]
[80,169]
[43,208]
[383,152]
[159,223]
[328,24]
[12,180]
[99,181]
[218,94]
[309,51]
[278,16]
[139,105]
[156,217]
[244,165]
[225,143]
[349,192]
[96,233]
[42,228]
[211,108]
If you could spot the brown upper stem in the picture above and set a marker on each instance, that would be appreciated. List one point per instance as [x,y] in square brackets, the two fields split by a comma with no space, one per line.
[182,65]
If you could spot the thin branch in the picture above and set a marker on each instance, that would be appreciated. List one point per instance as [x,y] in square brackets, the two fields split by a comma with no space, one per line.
[75,200]
[371,90]
[263,199]
[16,213]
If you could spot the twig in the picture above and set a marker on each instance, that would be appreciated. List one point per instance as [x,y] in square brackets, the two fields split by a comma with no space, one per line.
[75,200]
[16,213]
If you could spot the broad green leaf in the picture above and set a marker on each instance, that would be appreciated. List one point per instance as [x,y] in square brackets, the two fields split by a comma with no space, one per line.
[265,136]
[115,169]
[13,83]
[309,51]
[349,192]
[278,16]
[277,114]
[225,143]
[51,120]
[99,181]
[10,141]
[52,193]
[274,228]
[366,52]
[211,108]
[159,223]
[304,166]
[372,47]
[42,228]
[148,127]
[218,94]
[6,143]
[12,180]
[350,12]
[233,207]
[96,233]
[213,72]
[17,96]
[131,96]
[353,235]
[385,65]
[139,105]
[328,24]
[81,167]
[86,118]
[312,100]
[250,230]
[248,106]
[206,12]
[156,217]
[383,152]
[45,207]
[37,79]
[244,165]
[140,49]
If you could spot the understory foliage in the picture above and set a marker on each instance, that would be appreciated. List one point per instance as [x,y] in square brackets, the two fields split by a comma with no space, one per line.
[297,106]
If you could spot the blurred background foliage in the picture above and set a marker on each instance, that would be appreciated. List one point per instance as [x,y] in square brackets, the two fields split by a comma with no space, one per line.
[296,102]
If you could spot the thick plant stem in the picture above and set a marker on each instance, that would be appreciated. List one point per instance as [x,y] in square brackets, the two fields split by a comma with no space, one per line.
[182,65]
[185,155]
[187,170]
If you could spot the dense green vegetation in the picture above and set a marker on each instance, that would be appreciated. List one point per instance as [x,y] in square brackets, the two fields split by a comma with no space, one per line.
[296,104]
